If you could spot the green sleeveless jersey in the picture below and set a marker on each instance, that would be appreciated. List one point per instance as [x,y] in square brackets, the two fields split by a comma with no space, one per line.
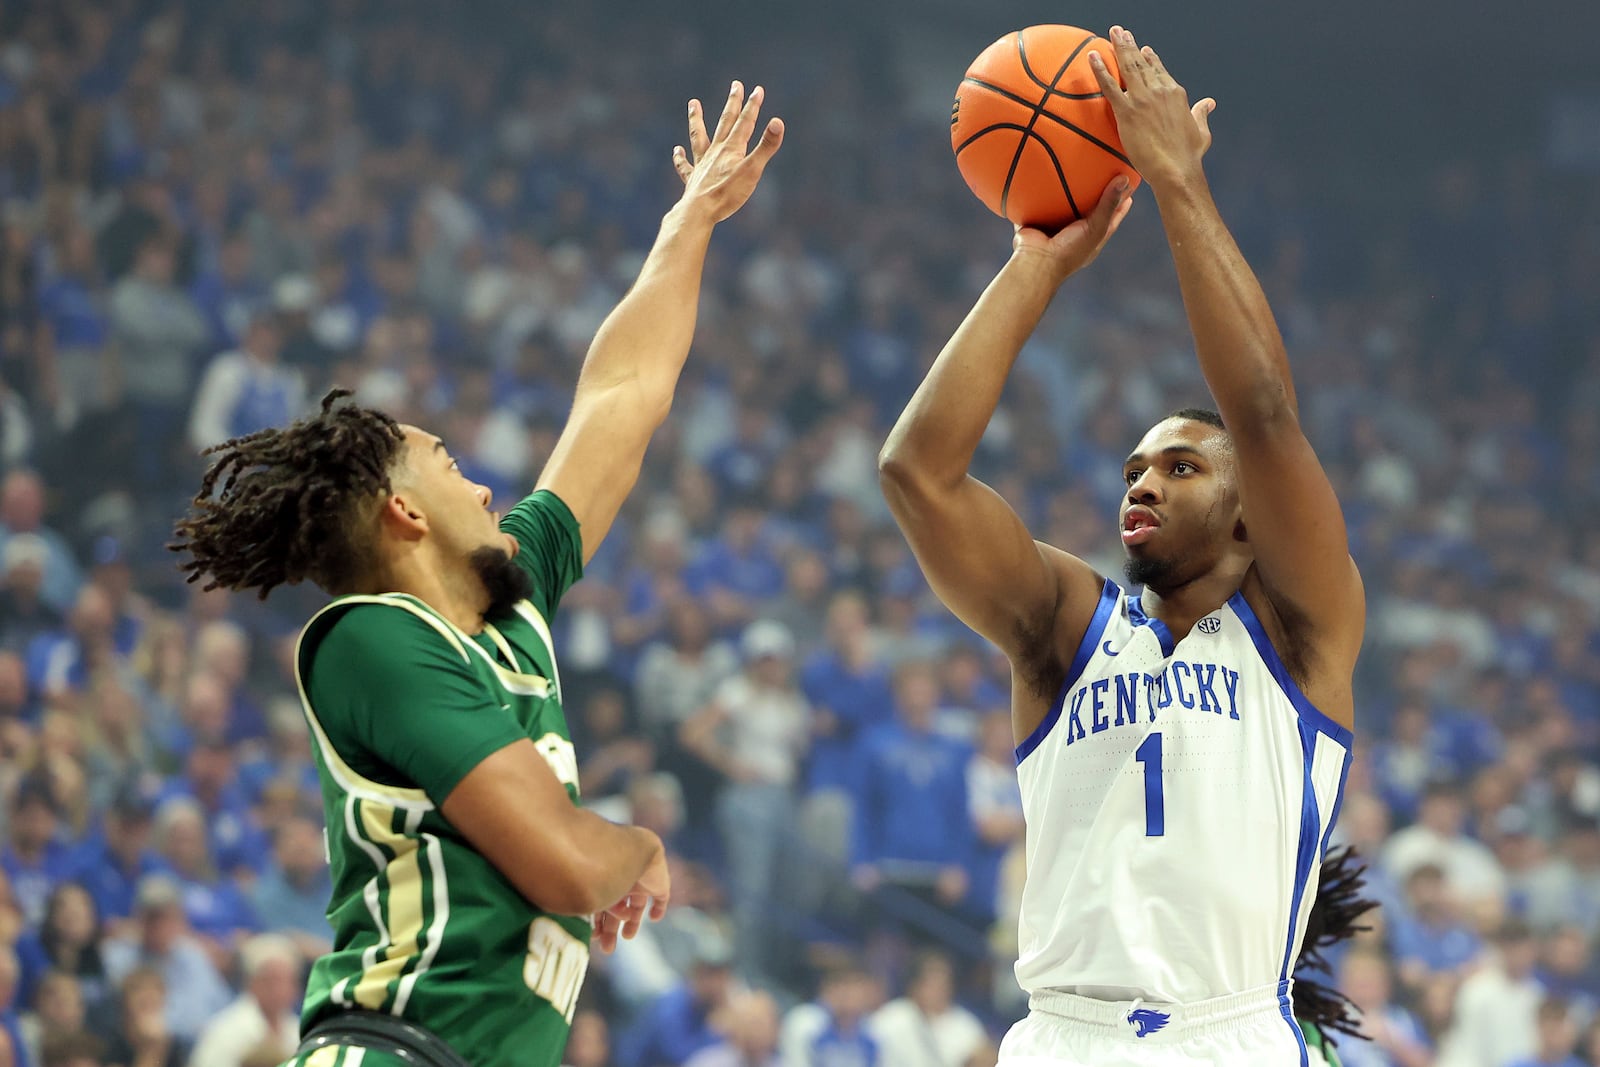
[402,705]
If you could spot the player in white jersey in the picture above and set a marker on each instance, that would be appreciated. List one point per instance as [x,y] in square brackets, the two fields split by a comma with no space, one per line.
[1181,753]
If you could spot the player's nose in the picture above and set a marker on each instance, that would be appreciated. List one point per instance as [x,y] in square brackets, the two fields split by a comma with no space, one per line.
[1145,490]
[485,496]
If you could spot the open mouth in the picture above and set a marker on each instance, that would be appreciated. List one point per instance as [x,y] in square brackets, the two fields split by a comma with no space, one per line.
[1139,525]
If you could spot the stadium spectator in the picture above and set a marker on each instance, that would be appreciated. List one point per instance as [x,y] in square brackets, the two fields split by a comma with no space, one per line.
[191,989]
[1496,1010]
[291,896]
[754,733]
[750,1035]
[262,1022]
[913,825]
[67,943]
[926,1020]
[830,1031]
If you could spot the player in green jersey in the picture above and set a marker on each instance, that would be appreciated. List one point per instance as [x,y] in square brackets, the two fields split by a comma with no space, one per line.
[465,876]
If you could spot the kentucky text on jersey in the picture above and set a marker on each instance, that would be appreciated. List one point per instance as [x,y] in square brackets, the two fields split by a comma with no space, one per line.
[1134,697]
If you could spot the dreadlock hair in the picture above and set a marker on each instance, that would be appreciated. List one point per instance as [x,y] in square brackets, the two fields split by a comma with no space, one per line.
[286,504]
[1333,919]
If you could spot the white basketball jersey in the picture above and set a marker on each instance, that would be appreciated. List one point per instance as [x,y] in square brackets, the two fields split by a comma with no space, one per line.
[1179,800]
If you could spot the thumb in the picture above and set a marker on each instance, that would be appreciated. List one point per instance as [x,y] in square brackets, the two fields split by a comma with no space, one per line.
[1202,114]
[1105,211]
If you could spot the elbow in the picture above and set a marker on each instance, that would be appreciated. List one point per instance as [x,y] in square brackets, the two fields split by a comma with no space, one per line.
[903,479]
[897,471]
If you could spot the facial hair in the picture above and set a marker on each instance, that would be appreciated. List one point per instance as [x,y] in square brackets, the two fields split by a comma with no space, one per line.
[1154,574]
[504,581]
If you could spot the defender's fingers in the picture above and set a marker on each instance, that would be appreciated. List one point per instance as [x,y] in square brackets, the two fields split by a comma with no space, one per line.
[1202,114]
[730,113]
[766,148]
[699,141]
[745,124]
[680,162]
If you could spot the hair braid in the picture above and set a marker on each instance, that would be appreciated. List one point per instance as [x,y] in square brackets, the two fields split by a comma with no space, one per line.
[1333,919]
[286,504]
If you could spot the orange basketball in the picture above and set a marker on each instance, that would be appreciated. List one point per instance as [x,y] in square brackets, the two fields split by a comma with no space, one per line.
[1033,134]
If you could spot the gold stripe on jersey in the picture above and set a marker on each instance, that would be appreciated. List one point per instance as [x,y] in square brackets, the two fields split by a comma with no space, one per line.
[326,1056]
[441,917]
[530,614]
[404,907]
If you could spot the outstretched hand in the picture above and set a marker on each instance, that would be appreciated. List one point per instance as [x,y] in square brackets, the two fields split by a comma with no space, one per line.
[1075,247]
[720,171]
[1163,136]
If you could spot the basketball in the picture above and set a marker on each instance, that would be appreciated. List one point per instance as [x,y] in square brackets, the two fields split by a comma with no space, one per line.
[1033,134]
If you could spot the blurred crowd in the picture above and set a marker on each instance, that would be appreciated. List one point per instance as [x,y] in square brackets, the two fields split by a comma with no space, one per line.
[210,213]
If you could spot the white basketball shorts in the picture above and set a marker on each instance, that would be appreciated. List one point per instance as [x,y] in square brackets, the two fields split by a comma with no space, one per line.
[1251,1029]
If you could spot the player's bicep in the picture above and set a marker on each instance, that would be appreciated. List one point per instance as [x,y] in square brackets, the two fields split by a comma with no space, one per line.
[984,565]
[1296,530]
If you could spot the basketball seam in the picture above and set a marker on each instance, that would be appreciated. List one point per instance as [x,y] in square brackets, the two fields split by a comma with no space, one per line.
[1038,109]
[1051,115]
[1009,95]
[1061,175]
[1041,83]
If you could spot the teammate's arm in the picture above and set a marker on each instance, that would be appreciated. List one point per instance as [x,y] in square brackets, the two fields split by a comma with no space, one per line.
[1291,514]
[631,372]
[974,549]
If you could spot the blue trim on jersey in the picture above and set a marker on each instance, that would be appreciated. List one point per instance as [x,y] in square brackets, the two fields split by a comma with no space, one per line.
[1286,1008]
[1080,659]
[1159,628]
[1307,855]
[1308,711]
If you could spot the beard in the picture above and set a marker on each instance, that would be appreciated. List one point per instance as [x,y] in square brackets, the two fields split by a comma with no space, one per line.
[1157,575]
[504,581]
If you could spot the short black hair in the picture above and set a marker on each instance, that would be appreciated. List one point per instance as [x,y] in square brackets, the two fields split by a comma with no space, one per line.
[1205,415]
[288,504]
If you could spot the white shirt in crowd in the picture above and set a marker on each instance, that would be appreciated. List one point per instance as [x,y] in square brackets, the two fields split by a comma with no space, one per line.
[239,1030]
[908,1038]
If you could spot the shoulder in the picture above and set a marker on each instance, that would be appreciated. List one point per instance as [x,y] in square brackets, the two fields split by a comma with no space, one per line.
[387,629]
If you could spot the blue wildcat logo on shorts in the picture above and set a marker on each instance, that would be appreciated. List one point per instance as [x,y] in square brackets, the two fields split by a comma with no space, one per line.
[1146,1021]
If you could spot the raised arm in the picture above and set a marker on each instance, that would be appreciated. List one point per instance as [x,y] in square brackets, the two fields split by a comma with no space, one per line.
[975,551]
[631,372]
[1291,514]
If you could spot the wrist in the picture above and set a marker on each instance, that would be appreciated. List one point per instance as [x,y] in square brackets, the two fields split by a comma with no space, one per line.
[1039,266]
[690,215]
[1178,182]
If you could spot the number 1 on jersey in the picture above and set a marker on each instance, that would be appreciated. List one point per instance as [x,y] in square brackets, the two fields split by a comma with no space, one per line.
[1155,812]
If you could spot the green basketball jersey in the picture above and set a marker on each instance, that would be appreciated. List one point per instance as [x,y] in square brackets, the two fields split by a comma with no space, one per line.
[402,705]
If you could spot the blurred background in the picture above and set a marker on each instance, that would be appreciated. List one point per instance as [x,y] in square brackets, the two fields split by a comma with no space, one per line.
[210,212]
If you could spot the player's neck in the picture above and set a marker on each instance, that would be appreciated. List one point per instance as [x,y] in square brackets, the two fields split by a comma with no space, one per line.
[1183,606]
[455,593]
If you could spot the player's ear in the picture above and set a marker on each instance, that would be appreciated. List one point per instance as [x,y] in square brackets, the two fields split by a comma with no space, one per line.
[403,517]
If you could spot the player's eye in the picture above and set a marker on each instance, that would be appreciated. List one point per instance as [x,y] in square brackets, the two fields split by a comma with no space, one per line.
[1183,468]
[1131,476]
